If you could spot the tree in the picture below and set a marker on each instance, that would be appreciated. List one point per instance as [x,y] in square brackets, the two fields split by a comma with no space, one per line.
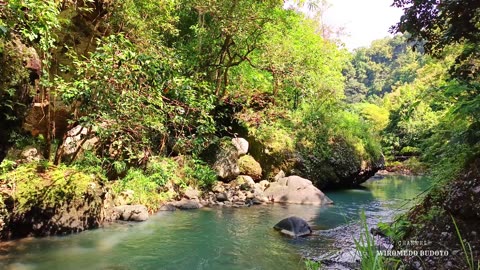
[437,24]
[218,35]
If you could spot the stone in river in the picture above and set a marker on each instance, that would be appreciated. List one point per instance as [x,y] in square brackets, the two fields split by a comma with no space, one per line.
[293,226]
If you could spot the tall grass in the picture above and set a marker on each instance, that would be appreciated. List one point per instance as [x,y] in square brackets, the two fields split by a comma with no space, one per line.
[467,250]
[365,245]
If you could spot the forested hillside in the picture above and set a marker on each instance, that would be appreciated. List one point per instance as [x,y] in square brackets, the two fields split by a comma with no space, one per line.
[135,94]
[111,103]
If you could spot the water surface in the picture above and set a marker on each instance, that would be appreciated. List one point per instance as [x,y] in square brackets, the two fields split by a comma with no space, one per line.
[218,238]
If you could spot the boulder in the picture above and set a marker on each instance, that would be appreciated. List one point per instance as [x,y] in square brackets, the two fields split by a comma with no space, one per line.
[125,197]
[249,166]
[293,226]
[345,167]
[280,175]
[191,193]
[296,190]
[185,204]
[245,182]
[241,144]
[264,184]
[222,197]
[75,140]
[218,187]
[167,207]
[30,154]
[223,157]
[132,212]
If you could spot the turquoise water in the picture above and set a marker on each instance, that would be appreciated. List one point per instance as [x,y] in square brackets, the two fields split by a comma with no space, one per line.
[216,238]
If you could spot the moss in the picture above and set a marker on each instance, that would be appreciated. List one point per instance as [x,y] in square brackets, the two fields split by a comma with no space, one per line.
[42,185]
[249,166]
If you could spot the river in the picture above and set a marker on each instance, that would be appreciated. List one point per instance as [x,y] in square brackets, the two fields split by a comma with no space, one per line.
[219,238]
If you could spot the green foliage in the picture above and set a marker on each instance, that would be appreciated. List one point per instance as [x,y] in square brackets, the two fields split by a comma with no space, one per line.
[322,126]
[293,63]
[435,26]
[44,186]
[376,70]
[375,115]
[93,164]
[6,166]
[312,265]
[146,188]
[396,230]
[366,248]
[120,90]
[199,173]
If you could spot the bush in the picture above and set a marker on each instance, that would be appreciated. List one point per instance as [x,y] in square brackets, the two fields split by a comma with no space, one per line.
[145,189]
[199,173]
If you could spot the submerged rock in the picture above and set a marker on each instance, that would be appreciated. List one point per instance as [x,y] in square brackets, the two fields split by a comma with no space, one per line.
[296,190]
[293,226]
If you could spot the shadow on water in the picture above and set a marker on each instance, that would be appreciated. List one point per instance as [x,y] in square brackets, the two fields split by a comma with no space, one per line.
[217,238]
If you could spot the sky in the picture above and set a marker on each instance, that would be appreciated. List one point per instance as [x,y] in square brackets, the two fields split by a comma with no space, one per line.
[363,20]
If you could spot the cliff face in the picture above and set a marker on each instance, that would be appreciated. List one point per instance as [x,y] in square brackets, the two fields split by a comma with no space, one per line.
[19,74]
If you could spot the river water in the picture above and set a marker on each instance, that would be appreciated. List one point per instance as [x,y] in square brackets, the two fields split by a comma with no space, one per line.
[220,238]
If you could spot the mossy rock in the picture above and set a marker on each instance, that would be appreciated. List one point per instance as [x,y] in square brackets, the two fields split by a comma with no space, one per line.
[249,166]
[50,200]
[222,156]
[344,167]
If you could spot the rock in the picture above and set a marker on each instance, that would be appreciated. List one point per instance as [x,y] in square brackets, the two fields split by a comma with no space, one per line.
[245,182]
[280,175]
[344,168]
[191,193]
[264,184]
[241,144]
[295,190]
[132,212]
[125,197]
[218,187]
[20,71]
[249,166]
[93,209]
[75,140]
[256,201]
[241,197]
[293,226]
[222,197]
[30,154]
[188,204]
[167,207]
[223,157]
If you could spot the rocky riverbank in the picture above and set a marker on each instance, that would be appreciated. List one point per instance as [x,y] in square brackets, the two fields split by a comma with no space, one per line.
[245,192]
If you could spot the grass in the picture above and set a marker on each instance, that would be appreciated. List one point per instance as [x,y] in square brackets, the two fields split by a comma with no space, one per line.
[312,265]
[370,258]
[365,245]
[467,250]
